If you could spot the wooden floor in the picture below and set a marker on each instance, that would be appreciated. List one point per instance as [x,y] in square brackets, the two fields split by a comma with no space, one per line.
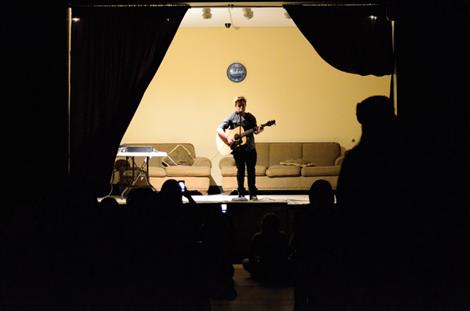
[253,297]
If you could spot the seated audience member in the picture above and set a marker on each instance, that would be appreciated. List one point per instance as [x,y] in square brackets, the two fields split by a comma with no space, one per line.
[269,251]
[121,177]
[141,197]
[178,283]
[218,238]
[108,202]
[316,251]
[171,193]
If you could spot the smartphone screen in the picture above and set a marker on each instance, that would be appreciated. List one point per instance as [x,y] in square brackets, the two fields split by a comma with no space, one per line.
[182,185]
[223,208]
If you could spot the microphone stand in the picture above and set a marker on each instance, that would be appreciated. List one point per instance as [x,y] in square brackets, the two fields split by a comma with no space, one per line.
[242,197]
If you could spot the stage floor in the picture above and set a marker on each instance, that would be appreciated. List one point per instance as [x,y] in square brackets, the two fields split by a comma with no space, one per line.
[288,199]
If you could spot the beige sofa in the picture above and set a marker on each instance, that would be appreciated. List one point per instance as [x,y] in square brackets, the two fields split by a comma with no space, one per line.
[288,166]
[196,173]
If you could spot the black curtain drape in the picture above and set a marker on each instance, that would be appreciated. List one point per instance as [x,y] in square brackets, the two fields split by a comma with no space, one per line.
[115,53]
[34,97]
[348,38]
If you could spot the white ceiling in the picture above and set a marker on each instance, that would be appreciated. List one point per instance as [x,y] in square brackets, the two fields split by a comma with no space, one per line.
[262,17]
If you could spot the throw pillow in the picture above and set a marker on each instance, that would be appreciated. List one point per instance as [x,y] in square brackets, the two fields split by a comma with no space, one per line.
[297,162]
[180,155]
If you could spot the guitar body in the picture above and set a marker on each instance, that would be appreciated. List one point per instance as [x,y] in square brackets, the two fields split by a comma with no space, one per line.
[239,137]
[225,149]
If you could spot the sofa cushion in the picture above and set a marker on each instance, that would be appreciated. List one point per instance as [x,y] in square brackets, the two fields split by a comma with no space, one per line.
[262,150]
[186,170]
[282,170]
[179,155]
[156,171]
[231,171]
[320,171]
[226,161]
[321,153]
[202,161]
[279,152]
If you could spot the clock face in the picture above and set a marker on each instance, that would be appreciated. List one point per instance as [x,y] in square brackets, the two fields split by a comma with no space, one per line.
[236,72]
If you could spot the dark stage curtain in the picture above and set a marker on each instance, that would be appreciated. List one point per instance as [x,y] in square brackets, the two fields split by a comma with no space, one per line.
[347,38]
[115,54]
[34,99]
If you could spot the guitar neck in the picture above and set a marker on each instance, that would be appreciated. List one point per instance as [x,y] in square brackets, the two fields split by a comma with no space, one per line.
[250,131]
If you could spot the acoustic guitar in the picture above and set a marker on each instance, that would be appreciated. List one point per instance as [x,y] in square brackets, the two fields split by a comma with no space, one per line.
[239,137]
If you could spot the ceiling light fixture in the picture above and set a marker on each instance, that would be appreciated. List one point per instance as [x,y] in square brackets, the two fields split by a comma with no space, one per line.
[248,13]
[206,13]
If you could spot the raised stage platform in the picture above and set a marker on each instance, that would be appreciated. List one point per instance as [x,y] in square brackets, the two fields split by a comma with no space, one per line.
[277,199]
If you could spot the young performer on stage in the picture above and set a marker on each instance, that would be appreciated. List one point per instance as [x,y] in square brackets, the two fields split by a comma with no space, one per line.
[243,150]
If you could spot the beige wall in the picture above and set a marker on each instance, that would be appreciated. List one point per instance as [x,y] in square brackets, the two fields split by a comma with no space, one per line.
[286,81]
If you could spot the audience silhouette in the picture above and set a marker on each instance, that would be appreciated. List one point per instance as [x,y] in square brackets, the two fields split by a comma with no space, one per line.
[316,251]
[268,261]
[141,197]
[166,252]
[122,175]
[158,252]
[374,196]
[109,202]
[218,239]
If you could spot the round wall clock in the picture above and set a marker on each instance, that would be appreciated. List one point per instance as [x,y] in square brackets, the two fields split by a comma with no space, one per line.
[236,72]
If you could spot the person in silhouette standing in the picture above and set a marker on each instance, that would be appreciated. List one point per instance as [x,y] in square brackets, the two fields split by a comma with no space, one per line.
[373,193]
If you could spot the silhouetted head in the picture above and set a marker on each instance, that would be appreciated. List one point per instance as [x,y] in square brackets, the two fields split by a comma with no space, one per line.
[171,191]
[377,118]
[109,202]
[270,223]
[140,197]
[375,111]
[121,165]
[321,193]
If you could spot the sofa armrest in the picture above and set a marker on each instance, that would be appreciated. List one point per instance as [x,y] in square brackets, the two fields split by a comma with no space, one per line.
[202,161]
[227,161]
[339,160]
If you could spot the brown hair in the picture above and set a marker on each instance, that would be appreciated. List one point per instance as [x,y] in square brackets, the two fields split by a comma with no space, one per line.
[240,99]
